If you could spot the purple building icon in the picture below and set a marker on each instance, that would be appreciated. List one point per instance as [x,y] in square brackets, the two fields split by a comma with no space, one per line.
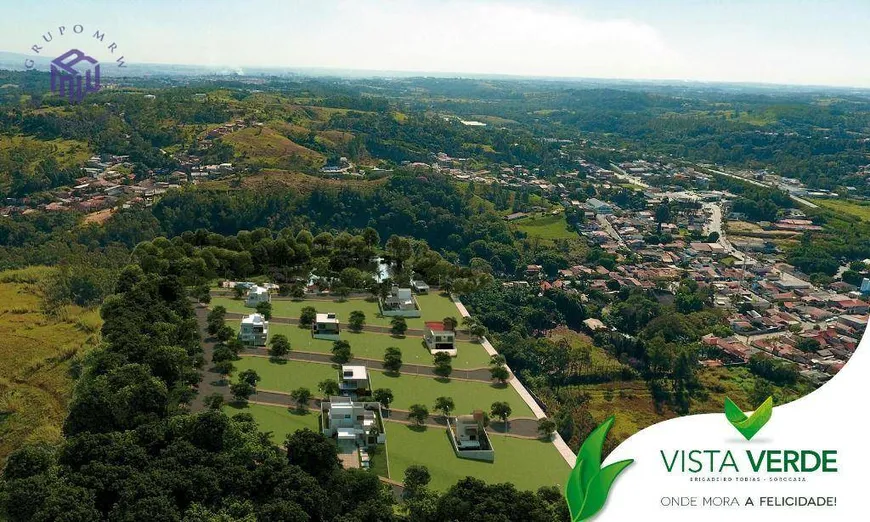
[66,80]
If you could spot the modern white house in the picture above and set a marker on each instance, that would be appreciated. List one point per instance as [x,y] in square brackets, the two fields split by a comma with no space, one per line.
[355,425]
[254,330]
[400,303]
[256,295]
[468,437]
[439,339]
[419,286]
[354,380]
[326,326]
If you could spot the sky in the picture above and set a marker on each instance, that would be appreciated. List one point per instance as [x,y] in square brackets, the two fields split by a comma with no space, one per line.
[769,41]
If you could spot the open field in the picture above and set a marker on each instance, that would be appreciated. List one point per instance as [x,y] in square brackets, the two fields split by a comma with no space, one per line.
[529,464]
[850,208]
[433,307]
[36,351]
[270,149]
[289,375]
[371,345]
[277,420]
[546,227]
[407,389]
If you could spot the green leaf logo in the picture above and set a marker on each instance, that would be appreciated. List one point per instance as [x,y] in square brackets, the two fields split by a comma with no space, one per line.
[588,484]
[748,426]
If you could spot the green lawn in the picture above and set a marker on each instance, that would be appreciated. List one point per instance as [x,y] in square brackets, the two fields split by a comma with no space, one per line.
[850,208]
[288,376]
[277,420]
[370,345]
[407,389]
[529,464]
[546,227]
[434,307]
[468,395]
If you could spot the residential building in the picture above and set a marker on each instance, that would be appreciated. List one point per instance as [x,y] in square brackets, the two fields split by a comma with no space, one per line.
[439,339]
[354,380]
[420,286]
[400,302]
[254,330]
[468,437]
[326,326]
[355,426]
[256,295]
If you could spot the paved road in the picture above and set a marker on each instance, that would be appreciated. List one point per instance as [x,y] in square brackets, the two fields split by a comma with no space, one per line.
[797,199]
[519,427]
[412,332]
[211,382]
[602,220]
[481,374]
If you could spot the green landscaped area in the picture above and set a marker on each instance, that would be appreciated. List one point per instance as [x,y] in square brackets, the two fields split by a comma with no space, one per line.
[529,464]
[371,345]
[277,420]
[288,375]
[849,208]
[407,389]
[433,307]
[546,227]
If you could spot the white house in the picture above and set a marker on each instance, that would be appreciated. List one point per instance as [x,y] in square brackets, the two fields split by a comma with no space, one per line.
[352,421]
[254,330]
[400,302]
[326,326]
[354,379]
[256,295]
[468,437]
[439,339]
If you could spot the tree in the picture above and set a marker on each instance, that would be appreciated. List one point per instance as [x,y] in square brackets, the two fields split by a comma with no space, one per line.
[214,401]
[328,387]
[502,410]
[443,364]
[225,333]
[478,331]
[312,452]
[383,396]
[241,391]
[264,308]
[449,323]
[445,405]
[713,237]
[249,376]
[398,326]
[357,321]
[301,396]
[808,344]
[279,345]
[307,315]
[224,369]
[546,427]
[215,319]
[341,352]
[393,359]
[500,373]
[418,413]
[417,477]
[239,291]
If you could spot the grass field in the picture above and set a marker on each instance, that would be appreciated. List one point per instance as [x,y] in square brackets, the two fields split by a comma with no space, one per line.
[371,345]
[546,227]
[36,351]
[270,149]
[277,420]
[850,208]
[433,307]
[289,375]
[407,389]
[529,464]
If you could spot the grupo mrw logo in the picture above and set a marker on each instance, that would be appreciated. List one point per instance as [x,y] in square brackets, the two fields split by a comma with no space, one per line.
[74,73]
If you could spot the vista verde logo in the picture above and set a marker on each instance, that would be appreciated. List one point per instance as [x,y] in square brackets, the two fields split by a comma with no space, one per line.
[755,461]
[748,426]
[589,483]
